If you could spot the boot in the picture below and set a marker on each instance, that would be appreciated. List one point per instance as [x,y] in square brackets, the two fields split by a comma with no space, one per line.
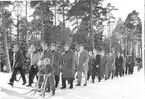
[71,84]
[24,83]
[10,83]
[63,83]
[53,92]
[56,84]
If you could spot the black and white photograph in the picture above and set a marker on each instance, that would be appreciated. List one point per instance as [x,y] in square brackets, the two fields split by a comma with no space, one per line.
[72,49]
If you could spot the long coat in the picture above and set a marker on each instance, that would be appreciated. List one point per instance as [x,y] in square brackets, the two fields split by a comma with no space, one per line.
[90,64]
[108,66]
[124,63]
[102,65]
[56,62]
[95,64]
[83,59]
[68,67]
[113,62]
[119,62]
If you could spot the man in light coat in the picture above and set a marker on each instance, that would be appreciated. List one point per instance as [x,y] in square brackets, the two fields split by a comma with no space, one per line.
[83,59]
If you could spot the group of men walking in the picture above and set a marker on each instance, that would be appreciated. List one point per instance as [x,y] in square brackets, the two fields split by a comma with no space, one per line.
[54,62]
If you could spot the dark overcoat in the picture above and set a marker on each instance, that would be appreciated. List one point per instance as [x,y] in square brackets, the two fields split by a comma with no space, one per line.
[56,62]
[119,62]
[102,65]
[95,64]
[68,67]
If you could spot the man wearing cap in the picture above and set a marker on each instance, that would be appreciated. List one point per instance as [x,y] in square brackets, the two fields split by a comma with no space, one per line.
[18,63]
[83,59]
[56,63]
[68,67]
[118,64]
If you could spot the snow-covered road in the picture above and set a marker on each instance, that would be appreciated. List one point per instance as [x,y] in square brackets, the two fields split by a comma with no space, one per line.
[127,87]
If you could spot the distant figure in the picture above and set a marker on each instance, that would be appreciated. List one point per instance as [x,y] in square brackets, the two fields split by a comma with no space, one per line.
[103,63]
[119,64]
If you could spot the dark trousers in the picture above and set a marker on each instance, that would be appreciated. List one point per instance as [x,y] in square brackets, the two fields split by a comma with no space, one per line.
[69,80]
[88,76]
[127,69]
[32,73]
[16,70]
[99,75]
[130,70]
[119,71]
[94,73]
[56,80]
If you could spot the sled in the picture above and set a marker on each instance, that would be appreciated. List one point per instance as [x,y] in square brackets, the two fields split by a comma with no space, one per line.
[42,90]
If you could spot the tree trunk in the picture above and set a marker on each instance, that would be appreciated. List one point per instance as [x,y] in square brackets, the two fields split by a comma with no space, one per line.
[6,52]
[26,23]
[91,24]
[42,28]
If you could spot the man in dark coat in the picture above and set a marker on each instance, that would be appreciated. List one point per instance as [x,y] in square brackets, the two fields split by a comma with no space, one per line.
[18,65]
[119,64]
[90,65]
[83,59]
[101,68]
[131,65]
[127,65]
[68,67]
[56,63]
[95,64]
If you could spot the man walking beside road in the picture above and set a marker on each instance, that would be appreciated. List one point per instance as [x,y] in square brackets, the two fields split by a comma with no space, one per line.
[83,59]
[18,65]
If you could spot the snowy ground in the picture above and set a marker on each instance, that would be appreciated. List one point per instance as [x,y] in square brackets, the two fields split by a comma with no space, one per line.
[128,87]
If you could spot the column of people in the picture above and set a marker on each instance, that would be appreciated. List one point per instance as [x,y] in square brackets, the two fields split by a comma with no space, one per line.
[97,64]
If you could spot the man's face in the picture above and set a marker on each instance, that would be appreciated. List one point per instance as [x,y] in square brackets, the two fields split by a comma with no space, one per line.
[118,54]
[16,48]
[90,53]
[102,53]
[81,48]
[32,48]
[66,48]
[52,47]
[44,47]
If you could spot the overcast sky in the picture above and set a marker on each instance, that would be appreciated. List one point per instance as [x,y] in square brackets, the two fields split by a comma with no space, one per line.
[127,6]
